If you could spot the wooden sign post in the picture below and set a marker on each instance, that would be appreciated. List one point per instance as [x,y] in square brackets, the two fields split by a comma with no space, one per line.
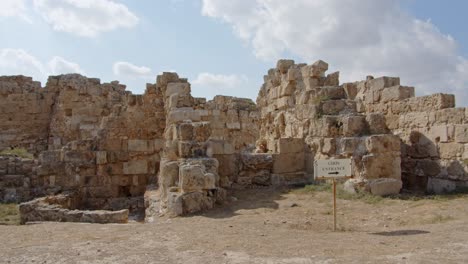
[333,169]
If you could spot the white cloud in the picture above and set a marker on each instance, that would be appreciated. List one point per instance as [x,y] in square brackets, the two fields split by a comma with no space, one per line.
[14,8]
[85,18]
[358,37]
[59,65]
[208,84]
[219,81]
[18,61]
[127,69]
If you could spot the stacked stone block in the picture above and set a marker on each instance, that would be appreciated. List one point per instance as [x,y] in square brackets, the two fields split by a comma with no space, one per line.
[17,176]
[307,115]
[433,133]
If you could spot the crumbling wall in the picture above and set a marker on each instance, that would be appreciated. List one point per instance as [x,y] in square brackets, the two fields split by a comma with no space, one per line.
[17,176]
[64,208]
[110,147]
[105,142]
[433,133]
[307,115]
[25,111]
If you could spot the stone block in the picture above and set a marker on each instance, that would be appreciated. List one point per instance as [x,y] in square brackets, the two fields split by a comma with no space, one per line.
[158,144]
[383,82]
[396,93]
[284,102]
[290,145]
[196,202]
[332,79]
[101,157]
[451,150]
[350,90]
[287,89]
[332,107]
[427,168]
[293,74]
[219,147]
[332,93]
[233,126]
[135,167]
[319,68]
[385,186]
[169,174]
[377,123]
[352,146]
[440,186]
[201,131]
[185,131]
[439,133]
[183,114]
[228,169]
[177,88]
[284,65]
[354,126]
[257,161]
[461,133]
[383,143]
[193,178]
[288,163]
[140,145]
[387,165]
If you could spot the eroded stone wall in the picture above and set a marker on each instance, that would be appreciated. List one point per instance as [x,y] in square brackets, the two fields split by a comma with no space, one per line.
[25,113]
[180,153]
[307,115]
[434,134]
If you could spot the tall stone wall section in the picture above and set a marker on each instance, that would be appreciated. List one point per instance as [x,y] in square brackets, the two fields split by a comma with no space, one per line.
[202,144]
[176,154]
[307,115]
[25,112]
[104,142]
[433,133]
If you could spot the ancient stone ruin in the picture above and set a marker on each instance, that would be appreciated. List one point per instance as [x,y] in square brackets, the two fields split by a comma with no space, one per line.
[102,153]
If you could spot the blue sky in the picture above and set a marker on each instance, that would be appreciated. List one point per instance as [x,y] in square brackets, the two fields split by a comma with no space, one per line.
[225,47]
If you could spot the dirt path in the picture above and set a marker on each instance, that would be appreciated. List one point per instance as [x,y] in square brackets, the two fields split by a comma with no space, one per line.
[263,226]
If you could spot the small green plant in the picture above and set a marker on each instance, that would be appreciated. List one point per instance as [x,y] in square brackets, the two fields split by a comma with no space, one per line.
[340,193]
[9,214]
[20,152]
[314,188]
[465,161]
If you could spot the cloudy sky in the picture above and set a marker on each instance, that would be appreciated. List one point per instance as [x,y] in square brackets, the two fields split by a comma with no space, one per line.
[225,47]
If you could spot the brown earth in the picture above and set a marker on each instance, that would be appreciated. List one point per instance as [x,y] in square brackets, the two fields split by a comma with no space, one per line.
[262,226]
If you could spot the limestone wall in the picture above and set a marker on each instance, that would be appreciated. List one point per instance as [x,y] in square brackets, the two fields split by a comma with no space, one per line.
[17,176]
[433,132]
[104,142]
[25,111]
[307,115]
[110,147]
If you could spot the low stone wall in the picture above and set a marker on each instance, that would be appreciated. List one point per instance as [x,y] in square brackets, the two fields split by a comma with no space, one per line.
[16,178]
[62,208]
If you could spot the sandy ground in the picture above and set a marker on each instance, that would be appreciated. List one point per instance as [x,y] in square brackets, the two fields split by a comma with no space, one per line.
[262,226]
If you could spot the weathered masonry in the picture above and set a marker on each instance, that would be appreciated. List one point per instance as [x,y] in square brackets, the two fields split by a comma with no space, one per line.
[99,147]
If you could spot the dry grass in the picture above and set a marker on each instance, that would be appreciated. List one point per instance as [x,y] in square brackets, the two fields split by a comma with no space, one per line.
[341,194]
[373,199]
[9,214]
[20,152]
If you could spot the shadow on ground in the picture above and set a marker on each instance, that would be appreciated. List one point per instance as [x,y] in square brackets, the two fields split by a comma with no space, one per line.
[401,233]
[248,199]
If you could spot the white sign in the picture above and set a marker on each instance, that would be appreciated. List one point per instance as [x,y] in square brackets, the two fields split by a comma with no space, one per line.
[335,168]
